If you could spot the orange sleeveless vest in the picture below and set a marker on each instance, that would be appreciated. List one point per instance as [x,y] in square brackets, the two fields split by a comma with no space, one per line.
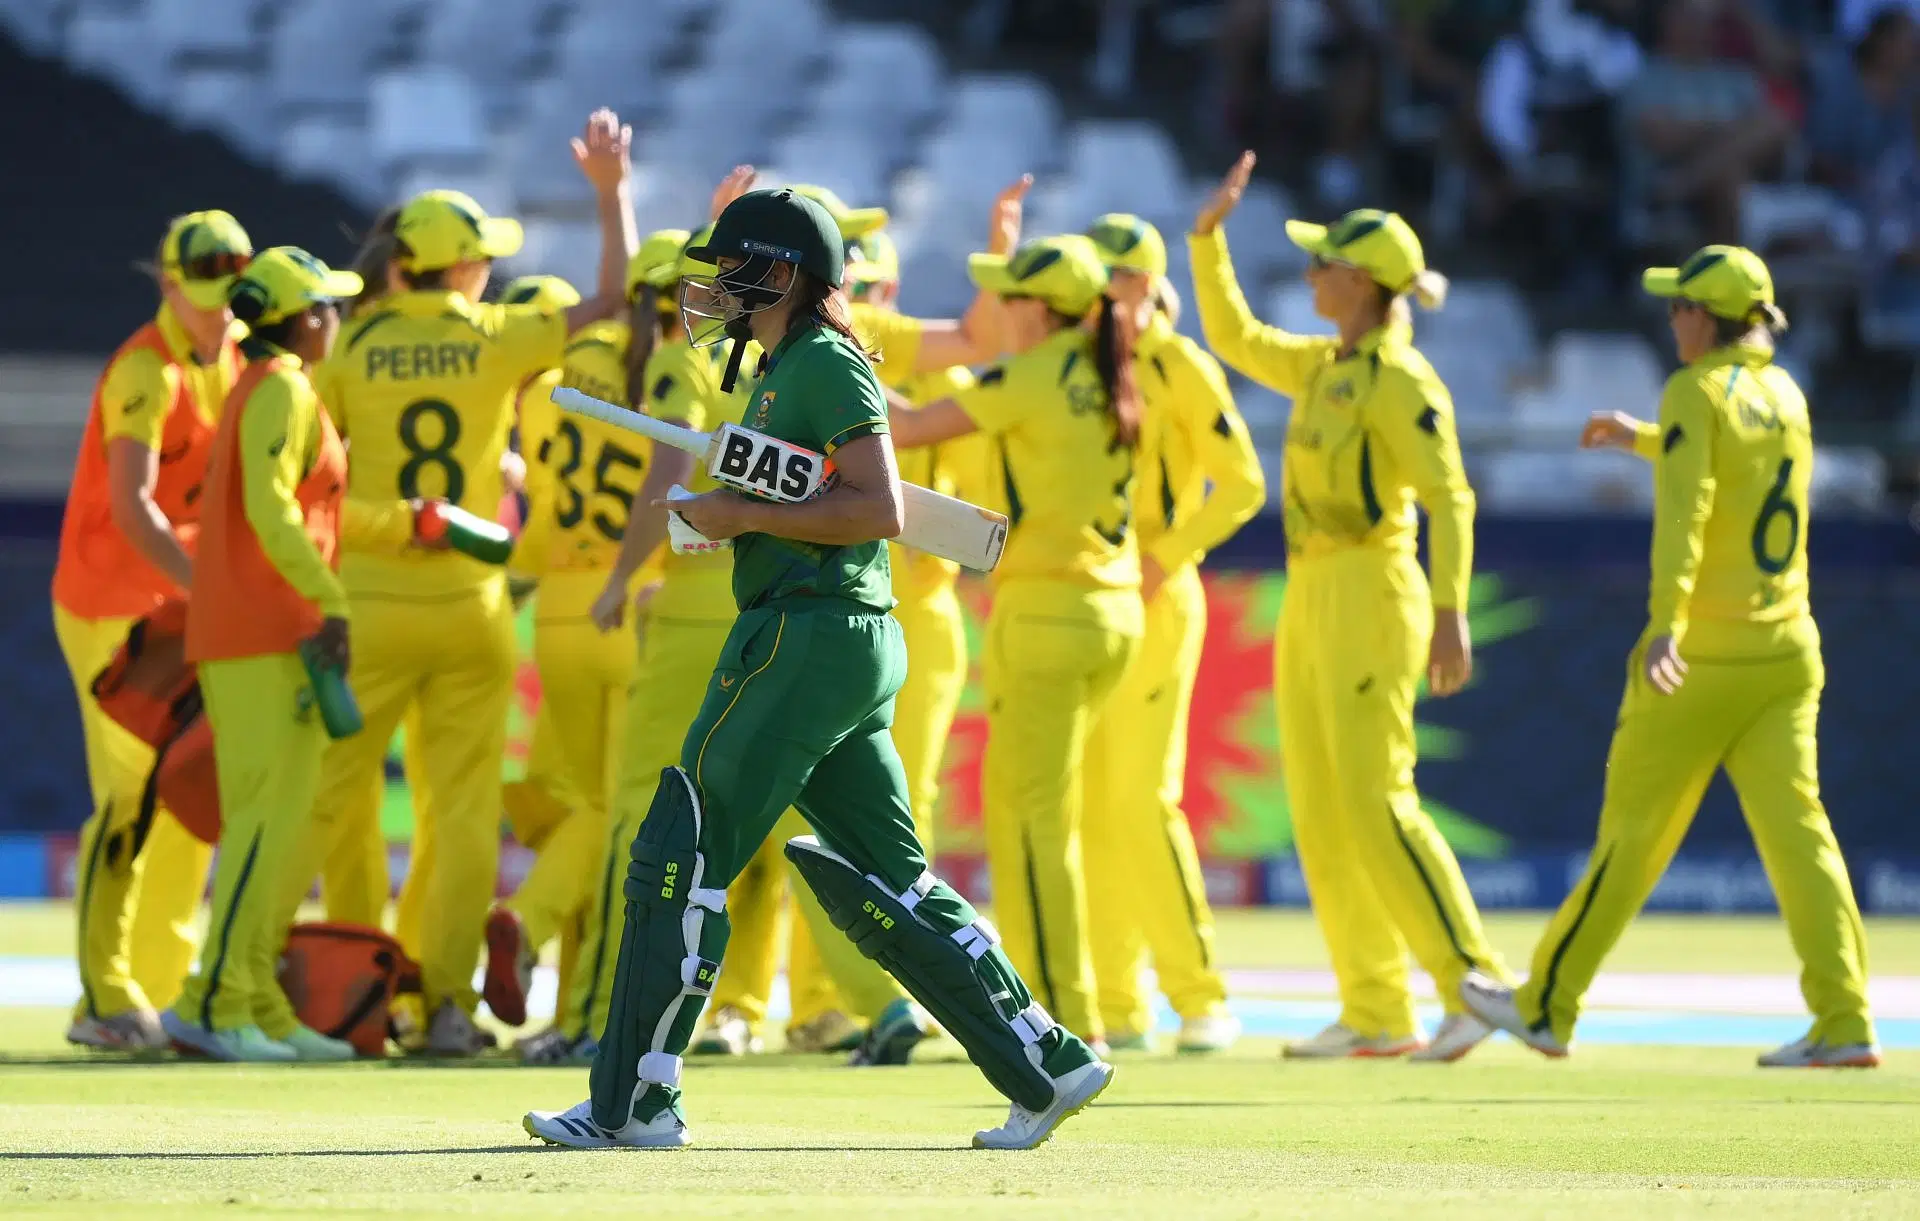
[99,575]
[241,605]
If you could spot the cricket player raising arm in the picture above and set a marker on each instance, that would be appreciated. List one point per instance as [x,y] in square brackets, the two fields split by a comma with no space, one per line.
[423,388]
[1065,417]
[1727,674]
[797,712]
[1371,433]
[1198,480]
[124,543]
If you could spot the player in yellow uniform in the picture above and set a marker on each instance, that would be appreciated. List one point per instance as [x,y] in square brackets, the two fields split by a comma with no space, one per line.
[1199,481]
[1732,456]
[1065,419]
[125,538]
[1371,434]
[423,388]
[580,487]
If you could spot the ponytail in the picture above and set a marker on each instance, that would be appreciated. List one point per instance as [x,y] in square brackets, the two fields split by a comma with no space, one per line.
[377,250]
[644,334]
[1166,298]
[1113,360]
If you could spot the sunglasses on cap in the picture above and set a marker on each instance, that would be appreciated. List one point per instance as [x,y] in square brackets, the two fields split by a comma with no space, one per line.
[216,266]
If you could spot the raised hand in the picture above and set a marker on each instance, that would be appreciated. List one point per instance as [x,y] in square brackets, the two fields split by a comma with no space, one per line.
[1226,196]
[738,182]
[1610,430]
[604,151]
[1009,206]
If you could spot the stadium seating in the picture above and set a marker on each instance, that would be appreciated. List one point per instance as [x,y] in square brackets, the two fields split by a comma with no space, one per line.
[484,94]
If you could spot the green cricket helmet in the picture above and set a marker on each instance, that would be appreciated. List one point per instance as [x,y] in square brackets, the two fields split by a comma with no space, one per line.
[758,231]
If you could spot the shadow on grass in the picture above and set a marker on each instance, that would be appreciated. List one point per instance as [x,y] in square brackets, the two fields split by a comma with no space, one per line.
[122,1155]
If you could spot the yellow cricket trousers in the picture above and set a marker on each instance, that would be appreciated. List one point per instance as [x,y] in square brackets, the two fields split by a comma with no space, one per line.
[1145,891]
[1055,653]
[135,915]
[758,904]
[1349,657]
[268,741]
[584,678]
[451,655]
[1751,704]
[923,712]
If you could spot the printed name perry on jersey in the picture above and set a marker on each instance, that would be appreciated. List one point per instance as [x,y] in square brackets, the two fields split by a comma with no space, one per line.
[403,362]
[755,462]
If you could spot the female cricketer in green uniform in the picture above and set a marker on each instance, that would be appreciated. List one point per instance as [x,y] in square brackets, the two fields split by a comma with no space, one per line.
[1732,458]
[798,713]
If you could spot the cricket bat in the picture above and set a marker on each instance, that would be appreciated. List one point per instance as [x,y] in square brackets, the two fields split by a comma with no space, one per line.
[773,469]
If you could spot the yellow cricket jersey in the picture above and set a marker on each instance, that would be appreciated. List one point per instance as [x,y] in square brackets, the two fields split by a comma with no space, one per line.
[1067,481]
[683,384]
[422,387]
[893,339]
[1732,459]
[1194,438]
[954,468]
[583,475]
[141,377]
[282,422]
[1371,432]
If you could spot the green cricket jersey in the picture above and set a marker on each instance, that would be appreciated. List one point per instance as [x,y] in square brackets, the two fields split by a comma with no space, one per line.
[818,391]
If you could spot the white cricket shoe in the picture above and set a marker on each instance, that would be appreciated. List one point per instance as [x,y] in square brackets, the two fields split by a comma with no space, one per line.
[1807,1052]
[1026,1129]
[1492,1002]
[555,1046]
[133,1030]
[310,1044]
[454,1033]
[727,1033]
[1459,1034]
[1215,1031]
[574,1128]
[1340,1042]
[240,1045]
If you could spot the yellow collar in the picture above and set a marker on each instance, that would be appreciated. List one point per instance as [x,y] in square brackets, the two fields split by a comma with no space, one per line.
[426,302]
[1752,356]
[1378,337]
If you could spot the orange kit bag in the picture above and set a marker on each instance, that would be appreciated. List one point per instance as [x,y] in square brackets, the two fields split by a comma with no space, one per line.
[153,692]
[342,978]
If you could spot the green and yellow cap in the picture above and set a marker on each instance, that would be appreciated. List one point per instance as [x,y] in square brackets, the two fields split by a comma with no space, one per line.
[551,293]
[1066,272]
[872,259]
[1126,241]
[656,264]
[442,228]
[202,252]
[1730,281]
[283,281]
[1382,244]
[853,222]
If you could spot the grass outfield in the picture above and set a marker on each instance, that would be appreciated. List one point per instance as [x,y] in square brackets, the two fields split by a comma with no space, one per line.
[1665,1132]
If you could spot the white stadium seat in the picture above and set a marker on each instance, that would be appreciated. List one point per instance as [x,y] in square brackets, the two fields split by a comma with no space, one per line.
[886,80]
[491,41]
[849,168]
[1589,372]
[565,248]
[114,47]
[429,114]
[1127,167]
[217,27]
[333,149]
[320,53]
[225,101]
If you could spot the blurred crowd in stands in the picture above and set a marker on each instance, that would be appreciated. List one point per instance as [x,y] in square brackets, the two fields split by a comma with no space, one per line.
[1572,134]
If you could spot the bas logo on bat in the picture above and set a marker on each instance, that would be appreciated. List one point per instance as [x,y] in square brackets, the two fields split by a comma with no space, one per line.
[764,464]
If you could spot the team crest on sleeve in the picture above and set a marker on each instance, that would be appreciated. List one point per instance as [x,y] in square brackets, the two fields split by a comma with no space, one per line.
[762,408]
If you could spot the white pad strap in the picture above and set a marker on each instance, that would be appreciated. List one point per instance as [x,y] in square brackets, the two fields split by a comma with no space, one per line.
[660,1068]
[706,896]
[1032,1024]
[919,890]
[977,938]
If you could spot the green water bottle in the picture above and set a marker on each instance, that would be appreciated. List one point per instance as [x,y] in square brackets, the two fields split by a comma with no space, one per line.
[339,711]
[469,534]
